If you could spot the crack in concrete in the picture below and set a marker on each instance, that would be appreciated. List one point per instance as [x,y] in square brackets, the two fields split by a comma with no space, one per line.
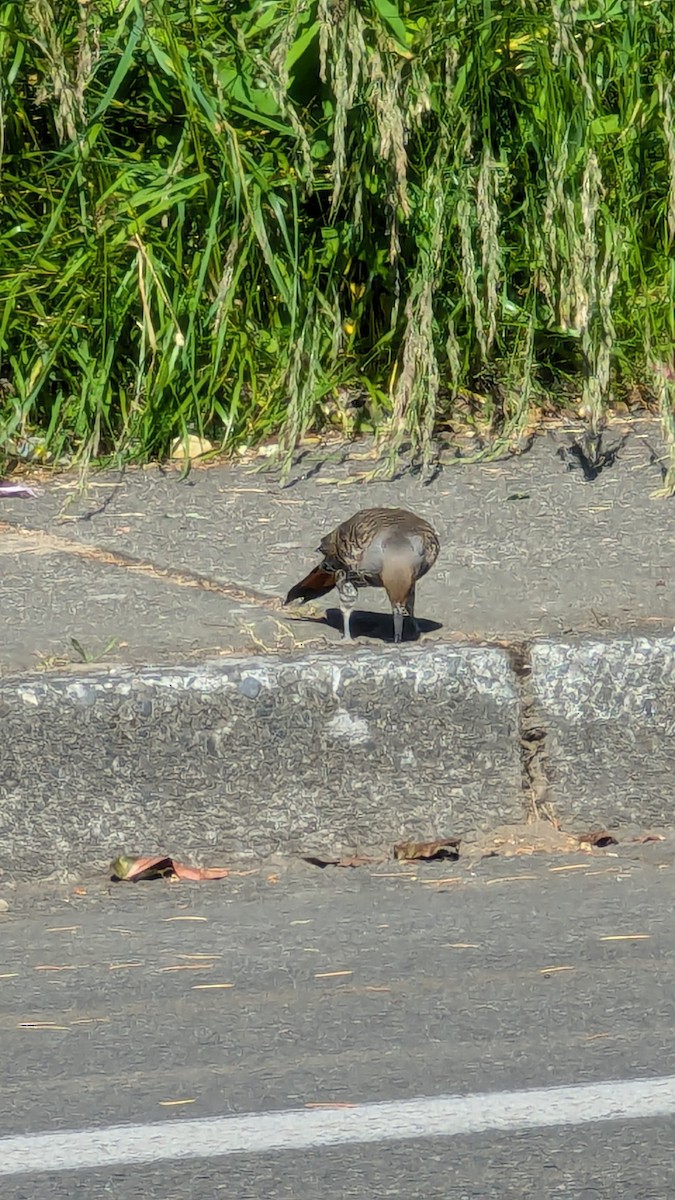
[532,737]
[179,576]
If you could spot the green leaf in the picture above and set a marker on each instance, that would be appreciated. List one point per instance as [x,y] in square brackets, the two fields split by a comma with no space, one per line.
[122,69]
[389,13]
[302,44]
[603,126]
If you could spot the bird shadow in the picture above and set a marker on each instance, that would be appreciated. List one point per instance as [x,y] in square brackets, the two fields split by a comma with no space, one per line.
[373,625]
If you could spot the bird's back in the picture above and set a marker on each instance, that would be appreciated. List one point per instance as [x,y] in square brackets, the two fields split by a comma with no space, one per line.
[360,543]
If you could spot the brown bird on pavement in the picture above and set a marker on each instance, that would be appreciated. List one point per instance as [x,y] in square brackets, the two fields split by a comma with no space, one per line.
[377,547]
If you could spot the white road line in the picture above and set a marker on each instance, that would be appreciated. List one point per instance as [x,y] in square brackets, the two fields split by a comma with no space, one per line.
[258,1133]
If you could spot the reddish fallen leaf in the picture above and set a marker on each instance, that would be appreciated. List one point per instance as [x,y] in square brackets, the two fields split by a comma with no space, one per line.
[159,866]
[442,849]
[650,837]
[599,838]
[354,860]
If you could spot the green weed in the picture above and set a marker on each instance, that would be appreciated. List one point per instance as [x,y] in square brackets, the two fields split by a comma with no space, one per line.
[222,217]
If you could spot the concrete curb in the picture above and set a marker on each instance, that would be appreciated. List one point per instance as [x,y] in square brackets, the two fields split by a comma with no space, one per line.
[342,751]
[607,709]
[338,751]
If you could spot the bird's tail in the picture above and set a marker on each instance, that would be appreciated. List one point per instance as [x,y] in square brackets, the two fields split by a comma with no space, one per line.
[318,583]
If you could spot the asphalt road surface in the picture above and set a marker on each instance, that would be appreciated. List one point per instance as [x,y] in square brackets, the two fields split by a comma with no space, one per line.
[308,1033]
[122,560]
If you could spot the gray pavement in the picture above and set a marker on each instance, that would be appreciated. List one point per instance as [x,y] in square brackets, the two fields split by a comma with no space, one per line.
[346,987]
[172,567]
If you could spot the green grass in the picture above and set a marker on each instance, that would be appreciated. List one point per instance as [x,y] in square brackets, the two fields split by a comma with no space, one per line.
[246,220]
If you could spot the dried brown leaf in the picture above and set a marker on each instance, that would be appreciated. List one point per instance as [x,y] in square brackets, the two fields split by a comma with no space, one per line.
[158,866]
[199,873]
[443,848]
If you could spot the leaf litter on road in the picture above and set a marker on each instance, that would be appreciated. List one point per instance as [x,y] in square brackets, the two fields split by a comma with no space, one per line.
[539,837]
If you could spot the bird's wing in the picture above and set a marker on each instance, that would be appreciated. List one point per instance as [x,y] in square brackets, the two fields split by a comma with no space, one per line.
[346,544]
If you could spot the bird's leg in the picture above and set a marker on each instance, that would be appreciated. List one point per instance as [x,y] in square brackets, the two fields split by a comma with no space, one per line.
[399,611]
[347,593]
[410,605]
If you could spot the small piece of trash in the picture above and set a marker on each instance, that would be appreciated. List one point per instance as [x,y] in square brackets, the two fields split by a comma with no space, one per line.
[17,489]
[159,866]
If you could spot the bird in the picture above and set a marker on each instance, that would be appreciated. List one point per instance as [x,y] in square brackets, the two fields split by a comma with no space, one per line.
[389,548]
